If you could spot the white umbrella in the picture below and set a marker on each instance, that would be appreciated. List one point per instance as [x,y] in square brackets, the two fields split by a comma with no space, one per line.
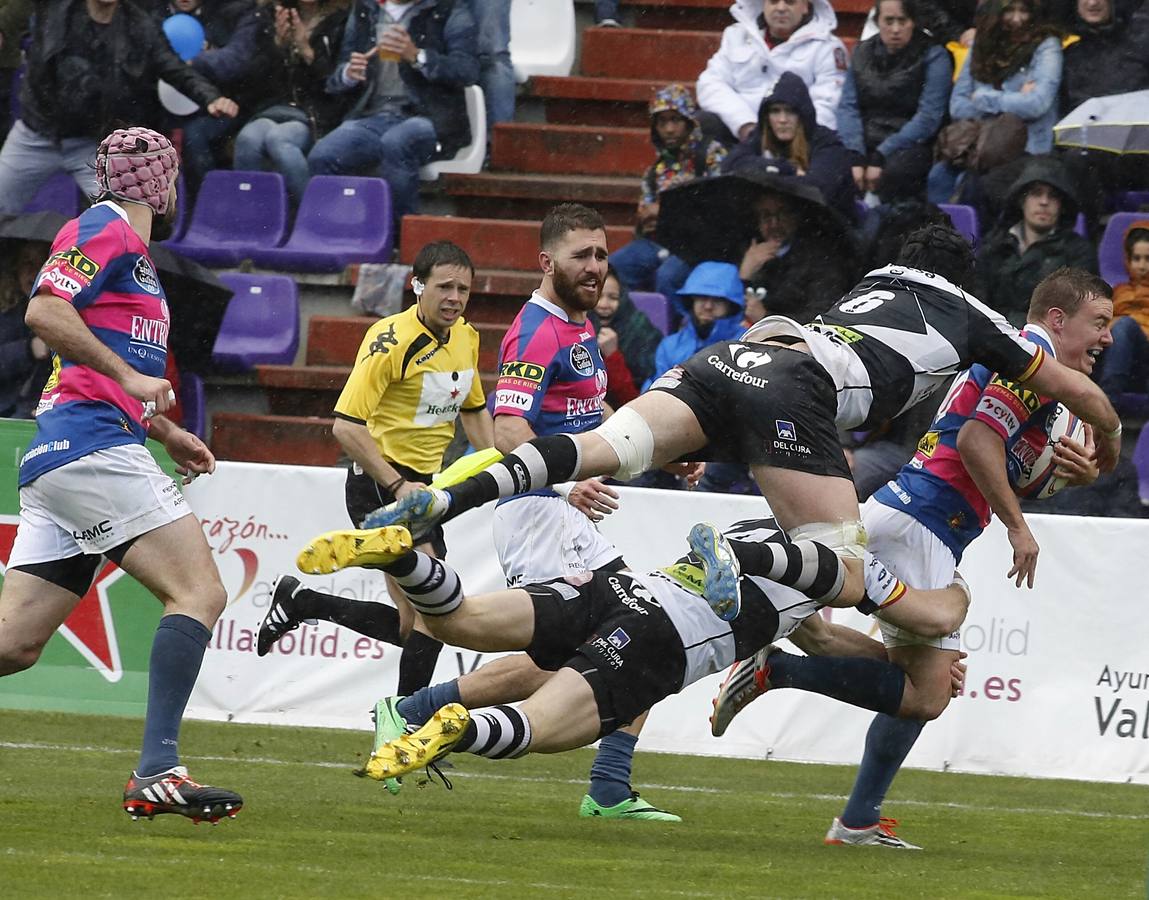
[1118,123]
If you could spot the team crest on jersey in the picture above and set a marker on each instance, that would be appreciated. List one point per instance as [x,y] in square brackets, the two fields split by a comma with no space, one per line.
[581,360]
[618,638]
[145,276]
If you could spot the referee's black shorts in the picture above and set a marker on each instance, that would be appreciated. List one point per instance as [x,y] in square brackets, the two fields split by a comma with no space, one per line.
[364,495]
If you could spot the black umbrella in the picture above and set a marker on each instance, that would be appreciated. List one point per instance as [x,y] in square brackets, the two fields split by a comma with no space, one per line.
[196,297]
[713,218]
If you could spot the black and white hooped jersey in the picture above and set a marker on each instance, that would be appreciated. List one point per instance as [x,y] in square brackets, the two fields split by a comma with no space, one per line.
[897,337]
[770,611]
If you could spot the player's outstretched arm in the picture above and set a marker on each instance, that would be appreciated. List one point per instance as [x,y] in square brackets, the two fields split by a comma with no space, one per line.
[1088,401]
[817,637]
[934,613]
[983,455]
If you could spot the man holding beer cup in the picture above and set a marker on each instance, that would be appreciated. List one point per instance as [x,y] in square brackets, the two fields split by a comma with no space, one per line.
[408,62]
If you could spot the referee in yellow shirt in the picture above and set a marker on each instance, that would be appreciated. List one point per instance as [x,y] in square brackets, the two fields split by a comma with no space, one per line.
[415,373]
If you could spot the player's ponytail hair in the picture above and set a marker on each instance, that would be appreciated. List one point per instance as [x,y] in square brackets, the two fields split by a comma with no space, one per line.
[939,248]
[1065,289]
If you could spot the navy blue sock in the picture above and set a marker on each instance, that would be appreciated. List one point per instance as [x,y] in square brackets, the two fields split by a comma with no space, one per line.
[869,683]
[610,771]
[177,652]
[887,743]
[425,702]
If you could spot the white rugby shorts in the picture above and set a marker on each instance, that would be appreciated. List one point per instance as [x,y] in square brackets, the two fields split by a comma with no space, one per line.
[541,538]
[917,556]
[94,504]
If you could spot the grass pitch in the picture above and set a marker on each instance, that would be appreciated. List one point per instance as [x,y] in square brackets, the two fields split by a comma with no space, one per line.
[752,829]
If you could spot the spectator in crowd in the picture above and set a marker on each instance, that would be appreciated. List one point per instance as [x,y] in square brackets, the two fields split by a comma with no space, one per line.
[1125,365]
[798,265]
[770,37]
[712,296]
[606,14]
[682,154]
[299,109]
[406,65]
[15,16]
[24,358]
[1035,237]
[89,64]
[714,300]
[1014,67]
[626,339]
[893,104]
[496,73]
[238,56]
[1111,56]
[947,21]
[787,130]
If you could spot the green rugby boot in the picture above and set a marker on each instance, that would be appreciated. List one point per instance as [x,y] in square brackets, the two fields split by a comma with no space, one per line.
[632,808]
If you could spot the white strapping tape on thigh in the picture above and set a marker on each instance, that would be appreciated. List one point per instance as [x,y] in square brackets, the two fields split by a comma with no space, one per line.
[631,440]
[847,539]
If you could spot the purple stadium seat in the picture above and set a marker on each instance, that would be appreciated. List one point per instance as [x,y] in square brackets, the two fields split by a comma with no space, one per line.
[182,203]
[194,403]
[60,193]
[261,324]
[1079,225]
[1132,200]
[1111,252]
[235,214]
[656,307]
[1141,462]
[341,220]
[964,219]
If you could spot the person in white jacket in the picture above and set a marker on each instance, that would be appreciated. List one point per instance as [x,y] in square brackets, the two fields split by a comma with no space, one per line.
[770,37]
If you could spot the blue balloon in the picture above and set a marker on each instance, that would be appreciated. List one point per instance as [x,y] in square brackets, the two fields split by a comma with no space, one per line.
[185,34]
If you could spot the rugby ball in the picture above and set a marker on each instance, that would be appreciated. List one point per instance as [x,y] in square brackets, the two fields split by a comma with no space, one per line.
[1029,456]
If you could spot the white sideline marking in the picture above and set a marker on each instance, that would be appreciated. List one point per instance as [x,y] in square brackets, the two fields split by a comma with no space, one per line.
[681,788]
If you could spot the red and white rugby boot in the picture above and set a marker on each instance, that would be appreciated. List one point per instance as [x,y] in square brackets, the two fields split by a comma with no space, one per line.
[174,792]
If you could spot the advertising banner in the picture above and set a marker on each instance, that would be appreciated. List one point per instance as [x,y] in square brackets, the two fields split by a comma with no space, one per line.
[1058,678]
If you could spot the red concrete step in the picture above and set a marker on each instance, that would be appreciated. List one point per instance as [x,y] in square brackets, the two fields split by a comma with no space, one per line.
[612,102]
[570,149]
[666,54]
[512,244]
[509,195]
[302,390]
[334,340]
[286,440]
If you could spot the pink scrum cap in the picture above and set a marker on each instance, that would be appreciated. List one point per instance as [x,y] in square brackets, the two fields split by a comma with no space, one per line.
[137,164]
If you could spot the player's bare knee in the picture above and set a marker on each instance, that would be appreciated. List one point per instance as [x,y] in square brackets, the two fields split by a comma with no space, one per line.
[18,655]
[204,601]
[923,705]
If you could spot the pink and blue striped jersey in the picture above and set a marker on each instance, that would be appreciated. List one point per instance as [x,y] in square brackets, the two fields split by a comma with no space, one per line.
[102,267]
[934,487]
[550,371]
